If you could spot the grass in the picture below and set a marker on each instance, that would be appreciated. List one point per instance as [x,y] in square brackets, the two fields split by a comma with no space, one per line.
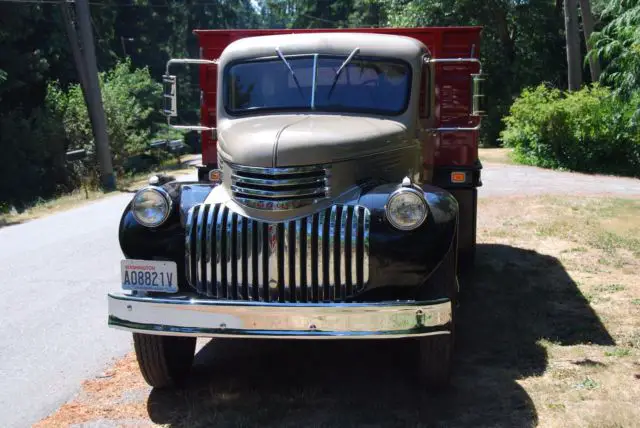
[546,336]
[618,352]
[496,155]
[132,182]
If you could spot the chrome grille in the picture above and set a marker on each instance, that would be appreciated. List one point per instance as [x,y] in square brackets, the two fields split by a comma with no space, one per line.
[279,188]
[323,257]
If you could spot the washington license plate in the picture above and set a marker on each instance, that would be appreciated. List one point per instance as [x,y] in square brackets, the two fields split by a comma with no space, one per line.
[149,275]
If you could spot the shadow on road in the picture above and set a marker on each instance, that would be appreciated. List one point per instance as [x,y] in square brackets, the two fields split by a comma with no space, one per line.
[514,298]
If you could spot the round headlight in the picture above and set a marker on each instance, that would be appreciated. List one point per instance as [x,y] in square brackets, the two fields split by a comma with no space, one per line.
[151,206]
[406,209]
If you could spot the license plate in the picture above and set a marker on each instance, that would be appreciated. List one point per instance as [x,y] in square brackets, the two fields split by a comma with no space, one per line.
[149,275]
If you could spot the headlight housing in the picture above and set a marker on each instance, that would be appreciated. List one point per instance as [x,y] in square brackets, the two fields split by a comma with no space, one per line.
[151,206]
[406,208]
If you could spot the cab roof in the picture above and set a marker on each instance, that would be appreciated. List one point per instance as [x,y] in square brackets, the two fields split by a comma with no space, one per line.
[382,45]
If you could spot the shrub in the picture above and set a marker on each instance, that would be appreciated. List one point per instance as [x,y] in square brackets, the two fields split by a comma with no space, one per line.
[33,143]
[130,97]
[591,130]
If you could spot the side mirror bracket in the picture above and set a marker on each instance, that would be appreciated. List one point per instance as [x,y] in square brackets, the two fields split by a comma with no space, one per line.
[170,95]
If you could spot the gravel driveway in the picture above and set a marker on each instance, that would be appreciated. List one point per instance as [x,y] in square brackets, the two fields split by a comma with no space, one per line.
[506,180]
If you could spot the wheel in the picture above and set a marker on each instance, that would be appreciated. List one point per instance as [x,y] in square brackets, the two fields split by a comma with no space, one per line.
[164,361]
[436,352]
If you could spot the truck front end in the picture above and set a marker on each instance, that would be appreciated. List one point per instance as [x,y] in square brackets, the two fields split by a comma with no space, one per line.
[318,222]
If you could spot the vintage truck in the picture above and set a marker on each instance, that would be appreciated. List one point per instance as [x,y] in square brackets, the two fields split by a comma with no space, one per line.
[335,200]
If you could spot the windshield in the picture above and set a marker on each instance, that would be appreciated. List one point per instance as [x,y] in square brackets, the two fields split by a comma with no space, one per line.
[373,85]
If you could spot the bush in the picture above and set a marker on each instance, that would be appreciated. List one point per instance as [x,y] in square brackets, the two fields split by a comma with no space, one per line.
[591,130]
[33,166]
[130,98]
[33,143]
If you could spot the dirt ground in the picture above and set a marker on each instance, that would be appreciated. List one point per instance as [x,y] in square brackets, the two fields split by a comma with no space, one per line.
[548,335]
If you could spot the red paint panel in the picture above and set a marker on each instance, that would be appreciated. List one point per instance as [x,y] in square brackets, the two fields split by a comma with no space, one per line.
[452,91]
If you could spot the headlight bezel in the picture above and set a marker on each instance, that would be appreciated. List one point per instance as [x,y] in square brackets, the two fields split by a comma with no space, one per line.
[168,203]
[398,192]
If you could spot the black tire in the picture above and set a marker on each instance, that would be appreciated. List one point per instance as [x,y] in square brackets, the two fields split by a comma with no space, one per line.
[436,352]
[164,361]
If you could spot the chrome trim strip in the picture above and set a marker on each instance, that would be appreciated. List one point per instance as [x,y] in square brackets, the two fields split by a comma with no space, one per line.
[321,260]
[354,248]
[286,262]
[237,179]
[187,243]
[199,239]
[209,234]
[228,253]
[342,281]
[332,254]
[186,315]
[276,205]
[260,255]
[277,171]
[309,261]
[365,252]
[272,266]
[251,284]
[219,259]
[299,262]
[274,194]
[240,260]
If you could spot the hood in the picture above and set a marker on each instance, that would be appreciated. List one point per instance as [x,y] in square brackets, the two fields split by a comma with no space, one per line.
[292,140]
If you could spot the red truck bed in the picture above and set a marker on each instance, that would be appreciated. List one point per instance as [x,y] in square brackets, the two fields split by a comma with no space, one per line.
[453,87]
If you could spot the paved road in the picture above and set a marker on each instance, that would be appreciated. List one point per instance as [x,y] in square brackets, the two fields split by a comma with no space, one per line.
[56,272]
[506,180]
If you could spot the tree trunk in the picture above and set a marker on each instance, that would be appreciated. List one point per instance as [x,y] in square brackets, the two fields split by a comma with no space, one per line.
[587,27]
[573,44]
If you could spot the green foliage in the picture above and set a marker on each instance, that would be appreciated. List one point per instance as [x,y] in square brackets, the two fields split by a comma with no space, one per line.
[618,46]
[130,98]
[33,157]
[591,130]
[522,44]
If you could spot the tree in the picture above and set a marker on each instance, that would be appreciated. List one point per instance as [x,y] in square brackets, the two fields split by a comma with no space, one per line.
[573,45]
[587,28]
[618,46]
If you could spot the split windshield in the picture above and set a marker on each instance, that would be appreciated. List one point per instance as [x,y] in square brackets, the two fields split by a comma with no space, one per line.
[370,85]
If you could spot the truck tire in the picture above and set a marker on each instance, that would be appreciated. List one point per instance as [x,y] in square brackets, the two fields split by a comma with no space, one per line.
[436,352]
[164,361]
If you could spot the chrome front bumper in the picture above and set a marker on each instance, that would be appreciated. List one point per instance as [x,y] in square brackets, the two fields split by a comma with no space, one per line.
[187,315]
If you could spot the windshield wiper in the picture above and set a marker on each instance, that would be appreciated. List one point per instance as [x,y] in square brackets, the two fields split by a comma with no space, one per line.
[342,67]
[293,74]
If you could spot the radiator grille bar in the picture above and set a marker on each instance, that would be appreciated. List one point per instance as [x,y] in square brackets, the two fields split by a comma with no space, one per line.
[320,258]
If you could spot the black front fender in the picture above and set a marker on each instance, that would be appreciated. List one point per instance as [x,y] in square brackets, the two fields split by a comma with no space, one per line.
[165,242]
[402,261]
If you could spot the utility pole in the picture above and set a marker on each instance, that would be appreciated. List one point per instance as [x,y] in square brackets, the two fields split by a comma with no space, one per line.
[572,34]
[78,58]
[94,96]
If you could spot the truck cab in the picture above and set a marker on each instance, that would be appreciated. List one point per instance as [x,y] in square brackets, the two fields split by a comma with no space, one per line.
[321,210]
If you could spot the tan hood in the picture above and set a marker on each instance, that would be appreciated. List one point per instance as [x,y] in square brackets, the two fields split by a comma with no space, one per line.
[290,140]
